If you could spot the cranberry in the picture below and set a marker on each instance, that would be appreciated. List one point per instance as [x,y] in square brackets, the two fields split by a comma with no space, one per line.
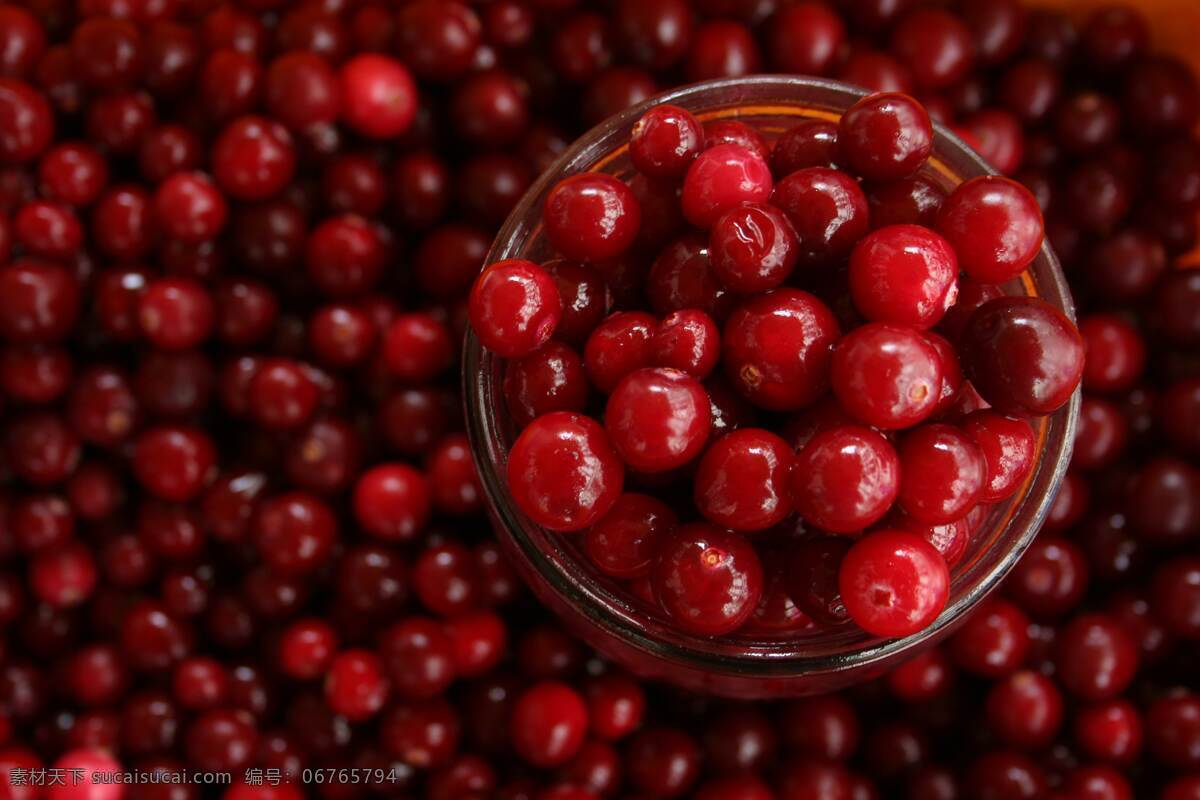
[741,480]
[994,641]
[885,137]
[174,462]
[1040,348]
[845,479]
[1095,658]
[618,346]
[903,274]
[548,724]
[514,307]
[658,419]
[665,142]
[563,471]
[777,349]
[1114,353]
[391,502]
[942,473]
[995,227]
[720,178]
[591,217]
[805,38]
[893,583]
[887,375]
[828,210]
[752,248]
[1007,446]
[935,45]
[707,580]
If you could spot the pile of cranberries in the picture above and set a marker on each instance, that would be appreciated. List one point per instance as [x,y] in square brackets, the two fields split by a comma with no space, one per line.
[746,408]
[240,525]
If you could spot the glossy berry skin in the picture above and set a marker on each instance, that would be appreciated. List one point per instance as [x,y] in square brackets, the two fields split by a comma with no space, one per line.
[893,583]
[742,480]
[188,207]
[552,378]
[828,211]
[514,307]
[719,179]
[591,217]
[688,341]
[391,502]
[618,346]
[658,419]
[885,137]
[563,471]
[845,479]
[1007,446]
[904,274]
[752,248]
[174,462]
[942,473]
[777,349]
[707,580]
[548,724]
[1023,355]
[994,225]
[253,158]
[887,376]
[379,97]
[665,142]
[624,541]
[1095,658]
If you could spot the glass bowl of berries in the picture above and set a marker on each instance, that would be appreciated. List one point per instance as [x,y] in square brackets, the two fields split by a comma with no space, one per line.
[769,382]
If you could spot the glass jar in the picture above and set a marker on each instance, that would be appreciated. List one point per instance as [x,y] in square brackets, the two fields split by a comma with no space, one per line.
[601,612]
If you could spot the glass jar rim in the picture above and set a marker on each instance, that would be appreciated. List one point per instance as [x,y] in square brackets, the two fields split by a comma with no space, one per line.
[846,647]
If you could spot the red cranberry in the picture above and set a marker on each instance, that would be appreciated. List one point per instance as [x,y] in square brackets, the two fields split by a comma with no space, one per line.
[752,248]
[845,479]
[548,725]
[741,480]
[805,38]
[563,471]
[903,274]
[379,98]
[514,307]
[707,580]
[1095,658]
[391,502]
[887,375]
[719,179]
[658,419]
[591,217]
[893,583]
[665,142]
[935,45]
[995,227]
[885,137]
[1007,446]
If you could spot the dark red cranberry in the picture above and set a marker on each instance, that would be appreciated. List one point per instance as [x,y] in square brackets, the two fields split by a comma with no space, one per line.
[1023,355]
[935,45]
[828,210]
[665,142]
[548,725]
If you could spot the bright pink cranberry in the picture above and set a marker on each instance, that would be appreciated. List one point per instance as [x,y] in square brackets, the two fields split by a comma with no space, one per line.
[548,724]
[777,349]
[888,376]
[379,97]
[904,274]
[665,142]
[742,480]
[885,137]
[658,419]
[1022,355]
[845,479]
[591,217]
[994,225]
[828,211]
[942,473]
[752,248]
[563,471]
[893,583]
[514,307]
[719,179]
[1008,451]
[707,580]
